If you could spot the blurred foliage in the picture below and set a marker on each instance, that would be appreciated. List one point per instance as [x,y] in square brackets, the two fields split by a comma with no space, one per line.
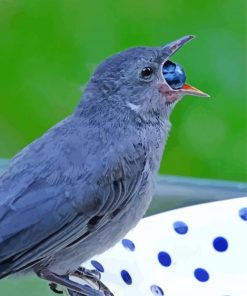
[28,286]
[49,49]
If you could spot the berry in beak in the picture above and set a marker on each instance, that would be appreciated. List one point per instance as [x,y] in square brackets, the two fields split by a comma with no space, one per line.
[174,86]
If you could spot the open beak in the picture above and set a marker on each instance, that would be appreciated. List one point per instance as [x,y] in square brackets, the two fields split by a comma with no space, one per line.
[170,48]
[173,94]
[191,90]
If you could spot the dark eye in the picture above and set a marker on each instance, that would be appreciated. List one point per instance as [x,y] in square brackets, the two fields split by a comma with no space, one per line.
[146,72]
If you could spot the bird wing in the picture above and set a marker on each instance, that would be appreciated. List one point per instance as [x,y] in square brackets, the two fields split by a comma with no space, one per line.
[39,217]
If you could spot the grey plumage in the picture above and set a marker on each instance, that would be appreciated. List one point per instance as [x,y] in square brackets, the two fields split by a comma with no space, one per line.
[79,188]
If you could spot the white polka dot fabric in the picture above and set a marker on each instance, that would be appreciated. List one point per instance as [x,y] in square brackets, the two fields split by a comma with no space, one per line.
[199,250]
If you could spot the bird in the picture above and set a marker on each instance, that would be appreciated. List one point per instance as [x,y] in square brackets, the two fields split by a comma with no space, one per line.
[79,188]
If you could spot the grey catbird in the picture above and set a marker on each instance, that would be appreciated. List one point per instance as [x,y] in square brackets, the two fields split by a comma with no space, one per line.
[79,188]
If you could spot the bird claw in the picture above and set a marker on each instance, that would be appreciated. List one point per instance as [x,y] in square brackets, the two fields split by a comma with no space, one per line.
[94,277]
[65,281]
[89,273]
[93,285]
[53,287]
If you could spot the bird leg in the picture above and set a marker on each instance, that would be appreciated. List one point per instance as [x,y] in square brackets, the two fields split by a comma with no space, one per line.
[92,276]
[65,281]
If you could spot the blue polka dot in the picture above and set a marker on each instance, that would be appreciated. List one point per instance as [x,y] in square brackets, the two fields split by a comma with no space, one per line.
[128,244]
[201,275]
[97,265]
[220,244]
[126,277]
[156,290]
[180,227]
[164,259]
[243,213]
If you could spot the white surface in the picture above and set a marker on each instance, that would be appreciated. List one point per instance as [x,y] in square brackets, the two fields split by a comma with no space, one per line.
[227,270]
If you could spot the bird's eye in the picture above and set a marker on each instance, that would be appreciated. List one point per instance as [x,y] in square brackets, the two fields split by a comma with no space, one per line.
[146,72]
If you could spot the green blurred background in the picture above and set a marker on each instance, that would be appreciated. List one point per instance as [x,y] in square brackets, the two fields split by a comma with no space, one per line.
[49,48]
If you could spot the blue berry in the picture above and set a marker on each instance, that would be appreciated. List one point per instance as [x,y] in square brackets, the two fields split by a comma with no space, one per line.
[174,74]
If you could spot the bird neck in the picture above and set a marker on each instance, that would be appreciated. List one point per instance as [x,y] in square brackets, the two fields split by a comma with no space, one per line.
[119,126]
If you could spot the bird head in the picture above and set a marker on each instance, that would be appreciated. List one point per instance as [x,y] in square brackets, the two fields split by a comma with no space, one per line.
[142,79]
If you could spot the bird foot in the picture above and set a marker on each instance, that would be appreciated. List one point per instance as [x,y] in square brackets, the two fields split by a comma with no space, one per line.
[64,280]
[93,277]
[53,287]
[88,273]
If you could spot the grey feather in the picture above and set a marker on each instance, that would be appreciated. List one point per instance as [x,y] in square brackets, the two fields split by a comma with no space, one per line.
[53,204]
